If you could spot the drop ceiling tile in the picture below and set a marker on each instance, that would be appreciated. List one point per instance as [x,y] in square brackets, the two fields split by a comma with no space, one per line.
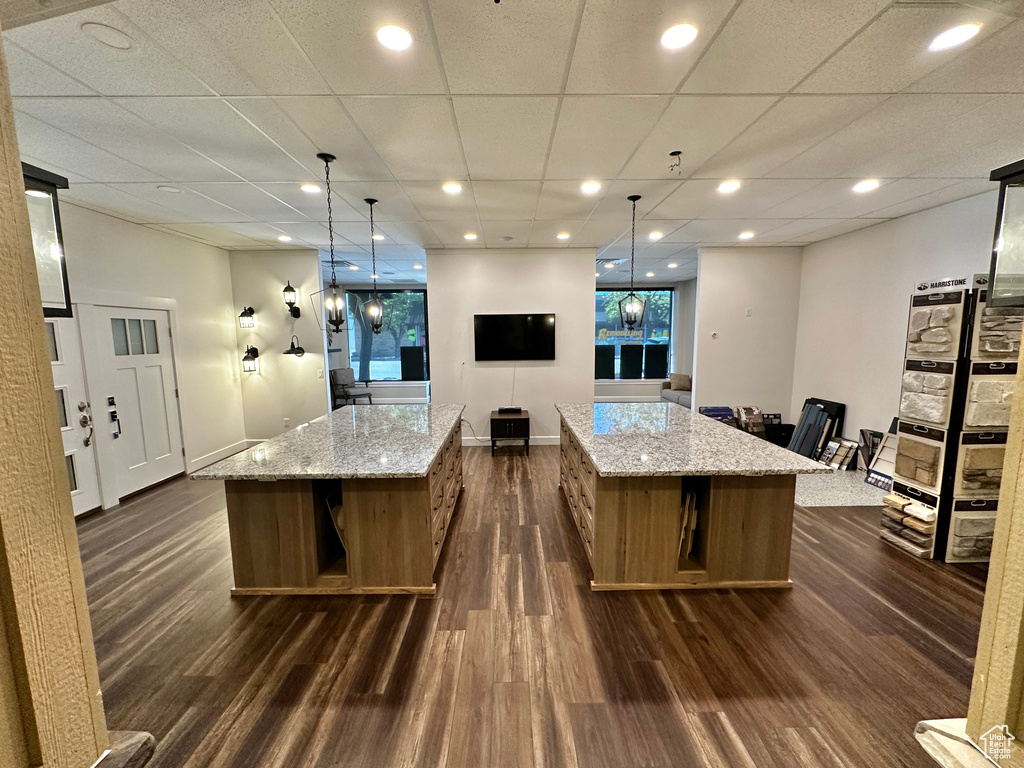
[723,231]
[893,51]
[184,206]
[698,126]
[766,48]
[505,137]
[756,198]
[451,233]
[890,193]
[30,76]
[835,230]
[992,64]
[495,232]
[417,233]
[792,126]
[313,206]
[618,49]
[902,119]
[140,203]
[615,204]
[213,235]
[310,232]
[213,128]
[601,232]
[54,147]
[563,200]
[344,47]
[393,203]
[252,201]
[957,191]
[147,69]
[596,135]
[436,205]
[545,233]
[104,199]
[414,135]
[507,200]
[513,47]
[235,47]
[108,127]
[261,232]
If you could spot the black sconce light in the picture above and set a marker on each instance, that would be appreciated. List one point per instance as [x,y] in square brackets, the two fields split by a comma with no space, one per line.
[631,307]
[332,313]
[295,349]
[249,360]
[374,307]
[290,297]
[247,318]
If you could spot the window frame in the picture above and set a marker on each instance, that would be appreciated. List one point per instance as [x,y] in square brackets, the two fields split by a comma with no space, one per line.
[368,289]
[642,289]
[45,181]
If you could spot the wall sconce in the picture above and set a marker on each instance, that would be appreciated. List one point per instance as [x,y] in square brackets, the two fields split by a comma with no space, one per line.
[295,349]
[290,297]
[247,318]
[249,360]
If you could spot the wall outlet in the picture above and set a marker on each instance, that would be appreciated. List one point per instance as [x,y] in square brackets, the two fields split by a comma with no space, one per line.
[287,422]
[749,312]
[319,373]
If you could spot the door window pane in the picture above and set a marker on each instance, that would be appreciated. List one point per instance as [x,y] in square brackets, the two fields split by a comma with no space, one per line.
[656,330]
[62,407]
[117,328]
[72,475]
[378,357]
[152,344]
[51,336]
[135,336]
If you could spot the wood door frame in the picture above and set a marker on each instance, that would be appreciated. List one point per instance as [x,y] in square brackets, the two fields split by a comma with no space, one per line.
[88,303]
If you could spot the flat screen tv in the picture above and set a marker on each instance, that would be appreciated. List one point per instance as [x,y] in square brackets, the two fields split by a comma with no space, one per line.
[514,337]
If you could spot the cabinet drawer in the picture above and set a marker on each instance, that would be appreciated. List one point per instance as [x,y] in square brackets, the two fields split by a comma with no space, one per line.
[574,476]
[436,473]
[588,475]
[438,497]
[586,502]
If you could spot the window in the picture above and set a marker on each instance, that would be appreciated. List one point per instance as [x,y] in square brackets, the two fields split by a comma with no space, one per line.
[128,336]
[379,357]
[653,342]
[51,336]
[62,407]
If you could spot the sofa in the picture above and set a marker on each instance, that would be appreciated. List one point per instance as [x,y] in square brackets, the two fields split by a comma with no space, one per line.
[683,397]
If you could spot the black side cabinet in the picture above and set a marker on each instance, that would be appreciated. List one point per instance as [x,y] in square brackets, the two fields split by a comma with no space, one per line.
[510,426]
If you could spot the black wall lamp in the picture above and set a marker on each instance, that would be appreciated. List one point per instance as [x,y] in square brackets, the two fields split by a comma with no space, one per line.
[247,318]
[295,349]
[249,360]
[290,297]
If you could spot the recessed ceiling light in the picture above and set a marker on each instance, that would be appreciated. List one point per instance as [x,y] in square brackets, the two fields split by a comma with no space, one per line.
[679,36]
[417,266]
[395,38]
[470,236]
[951,38]
[728,187]
[609,264]
[655,235]
[650,274]
[284,238]
[590,187]
[673,265]
[352,266]
[562,235]
[35,193]
[375,277]
[452,188]
[868,185]
[597,274]
[378,237]
[310,189]
[746,235]
[168,188]
[108,36]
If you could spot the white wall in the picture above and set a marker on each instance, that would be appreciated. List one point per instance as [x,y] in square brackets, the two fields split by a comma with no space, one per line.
[285,386]
[750,362]
[854,299]
[466,282]
[685,311]
[109,256]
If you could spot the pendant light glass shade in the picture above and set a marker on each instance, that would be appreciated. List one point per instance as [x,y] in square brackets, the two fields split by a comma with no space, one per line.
[374,307]
[328,304]
[632,307]
[247,318]
[249,364]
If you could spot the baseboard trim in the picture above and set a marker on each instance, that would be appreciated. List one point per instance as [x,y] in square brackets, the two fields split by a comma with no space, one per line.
[204,461]
[468,441]
[626,399]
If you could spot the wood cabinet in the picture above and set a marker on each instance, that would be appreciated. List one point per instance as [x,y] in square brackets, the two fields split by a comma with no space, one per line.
[372,535]
[631,527]
[510,426]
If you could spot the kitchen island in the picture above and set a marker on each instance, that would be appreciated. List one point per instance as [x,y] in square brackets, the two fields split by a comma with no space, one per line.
[355,502]
[664,498]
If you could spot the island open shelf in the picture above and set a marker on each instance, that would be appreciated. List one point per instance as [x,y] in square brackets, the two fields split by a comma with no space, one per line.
[357,502]
[664,498]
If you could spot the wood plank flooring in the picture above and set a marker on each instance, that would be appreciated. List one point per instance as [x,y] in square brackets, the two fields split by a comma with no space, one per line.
[515,662]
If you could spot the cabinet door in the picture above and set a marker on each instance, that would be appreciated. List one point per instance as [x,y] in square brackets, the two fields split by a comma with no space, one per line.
[519,428]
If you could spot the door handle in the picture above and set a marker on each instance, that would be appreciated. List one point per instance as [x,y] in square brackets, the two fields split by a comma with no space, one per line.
[118,433]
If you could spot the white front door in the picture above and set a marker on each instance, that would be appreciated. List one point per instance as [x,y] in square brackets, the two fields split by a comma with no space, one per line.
[74,412]
[136,399]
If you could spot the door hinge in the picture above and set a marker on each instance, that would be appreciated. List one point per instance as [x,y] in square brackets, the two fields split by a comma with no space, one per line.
[176,392]
[169,331]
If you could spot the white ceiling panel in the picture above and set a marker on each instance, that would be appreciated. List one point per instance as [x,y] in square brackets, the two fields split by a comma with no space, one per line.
[835,230]
[146,69]
[495,232]
[434,204]
[601,232]
[414,135]
[615,205]
[958,191]
[511,47]
[309,232]
[756,198]
[184,206]
[452,233]
[765,47]
[505,137]
[313,206]
[893,51]
[596,135]
[30,76]
[212,235]
[794,125]
[723,231]
[234,46]
[138,202]
[261,232]
[253,202]
[107,126]
[507,200]
[697,126]
[613,31]
[410,233]
[994,63]
[545,233]
[393,203]
[564,200]
[344,48]
[836,199]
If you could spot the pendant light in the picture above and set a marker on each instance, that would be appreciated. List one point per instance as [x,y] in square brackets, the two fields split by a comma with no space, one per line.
[295,349]
[249,360]
[374,307]
[332,316]
[631,308]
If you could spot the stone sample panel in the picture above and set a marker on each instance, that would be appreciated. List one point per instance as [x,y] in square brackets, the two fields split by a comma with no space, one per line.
[926,396]
[917,462]
[981,470]
[998,333]
[988,402]
[933,331]
[971,535]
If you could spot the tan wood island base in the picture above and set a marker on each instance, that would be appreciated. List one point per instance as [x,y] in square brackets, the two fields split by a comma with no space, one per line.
[664,498]
[357,502]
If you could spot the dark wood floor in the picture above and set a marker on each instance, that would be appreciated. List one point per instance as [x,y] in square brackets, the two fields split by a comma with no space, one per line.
[515,661]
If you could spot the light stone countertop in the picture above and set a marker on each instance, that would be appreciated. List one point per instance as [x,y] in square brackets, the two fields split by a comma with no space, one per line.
[638,439]
[357,441]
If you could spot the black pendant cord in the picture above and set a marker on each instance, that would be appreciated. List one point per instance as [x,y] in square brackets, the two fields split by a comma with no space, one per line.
[330,218]
[632,246]
[373,252]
